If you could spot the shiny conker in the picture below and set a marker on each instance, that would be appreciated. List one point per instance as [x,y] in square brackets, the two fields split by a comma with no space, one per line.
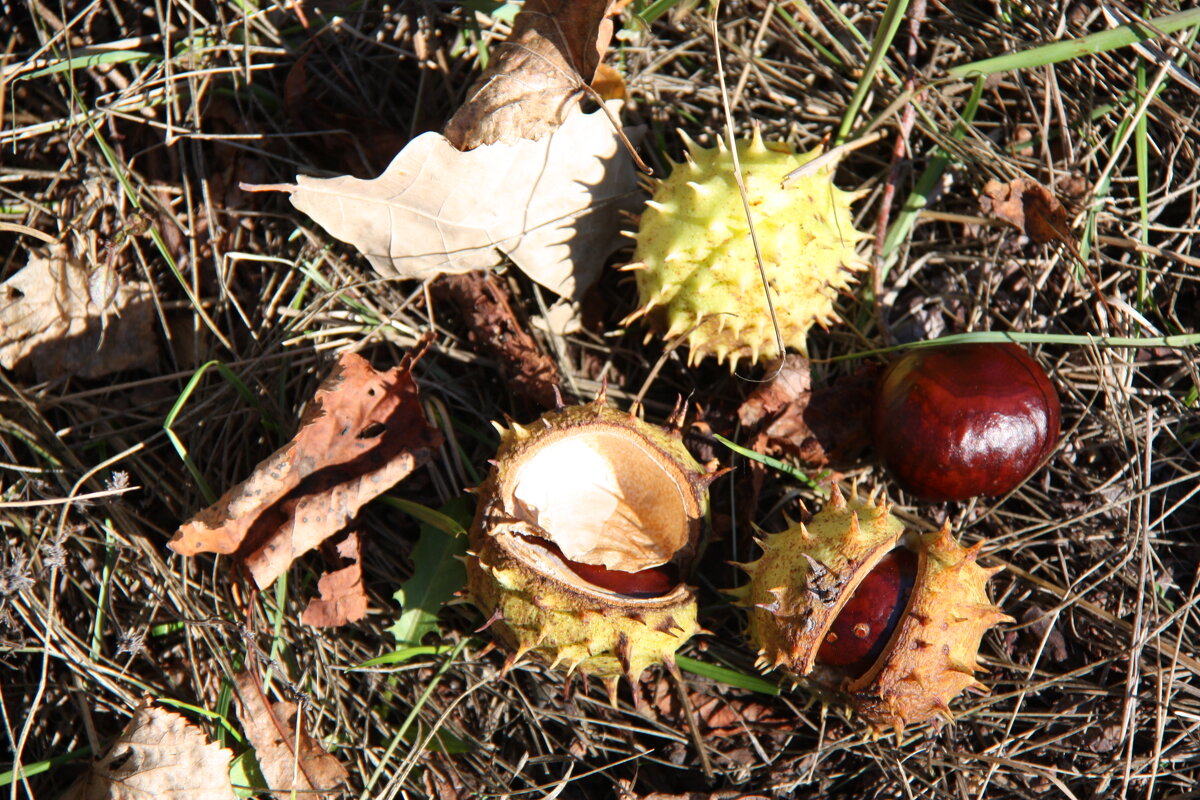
[957,421]
[651,582]
[863,627]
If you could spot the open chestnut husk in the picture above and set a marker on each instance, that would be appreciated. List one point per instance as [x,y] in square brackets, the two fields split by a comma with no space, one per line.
[959,421]
[586,525]
[884,618]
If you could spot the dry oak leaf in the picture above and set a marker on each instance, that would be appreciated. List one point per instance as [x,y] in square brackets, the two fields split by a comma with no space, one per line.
[537,74]
[343,598]
[552,206]
[61,319]
[159,755]
[363,432]
[288,756]
[1030,207]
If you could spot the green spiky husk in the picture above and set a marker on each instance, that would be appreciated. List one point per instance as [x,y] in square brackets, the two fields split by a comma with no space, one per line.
[792,602]
[560,626]
[807,574]
[695,260]
[547,613]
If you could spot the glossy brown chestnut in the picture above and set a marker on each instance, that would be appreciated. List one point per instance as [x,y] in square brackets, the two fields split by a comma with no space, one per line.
[651,582]
[957,421]
[862,628]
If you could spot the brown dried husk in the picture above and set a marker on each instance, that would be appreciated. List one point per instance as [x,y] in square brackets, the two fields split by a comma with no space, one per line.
[809,572]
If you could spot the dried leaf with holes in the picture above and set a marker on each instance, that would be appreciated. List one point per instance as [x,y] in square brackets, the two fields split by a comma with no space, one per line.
[884,619]
[552,206]
[1028,206]
[363,432]
[291,759]
[161,755]
[59,318]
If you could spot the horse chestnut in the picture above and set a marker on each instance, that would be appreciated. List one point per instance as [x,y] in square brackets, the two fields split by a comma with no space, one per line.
[957,421]
[862,628]
[652,582]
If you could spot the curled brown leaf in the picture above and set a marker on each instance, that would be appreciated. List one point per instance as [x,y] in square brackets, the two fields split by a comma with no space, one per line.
[497,333]
[288,755]
[829,425]
[363,432]
[537,74]
[343,598]
[1028,206]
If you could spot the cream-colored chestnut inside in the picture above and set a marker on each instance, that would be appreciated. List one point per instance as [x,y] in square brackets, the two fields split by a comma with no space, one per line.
[604,498]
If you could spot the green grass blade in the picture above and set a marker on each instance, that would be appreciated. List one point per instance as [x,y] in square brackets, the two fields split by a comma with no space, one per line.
[1141,152]
[653,11]
[168,424]
[1074,340]
[889,25]
[102,599]
[714,672]
[1102,42]
[89,60]
[431,517]
[402,656]
[798,28]
[44,766]
[773,463]
[412,717]
[918,198]
[215,716]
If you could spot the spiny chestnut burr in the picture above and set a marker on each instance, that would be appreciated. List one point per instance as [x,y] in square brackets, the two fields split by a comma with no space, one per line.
[959,421]
[866,611]
[699,273]
[586,526]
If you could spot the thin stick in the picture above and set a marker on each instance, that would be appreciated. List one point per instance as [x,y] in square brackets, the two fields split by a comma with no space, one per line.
[737,176]
[690,713]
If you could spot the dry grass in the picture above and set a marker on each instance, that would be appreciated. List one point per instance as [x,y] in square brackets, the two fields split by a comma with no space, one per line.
[96,613]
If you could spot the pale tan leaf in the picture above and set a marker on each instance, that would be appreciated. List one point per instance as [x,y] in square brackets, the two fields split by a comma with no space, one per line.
[550,205]
[159,756]
[537,74]
[60,319]
[289,757]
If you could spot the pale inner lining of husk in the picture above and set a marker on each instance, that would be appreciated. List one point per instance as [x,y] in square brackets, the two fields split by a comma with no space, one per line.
[604,499]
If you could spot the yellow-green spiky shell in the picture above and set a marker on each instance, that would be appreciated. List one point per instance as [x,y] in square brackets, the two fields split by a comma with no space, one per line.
[695,261]
[801,581]
[808,573]
[562,627]
[538,607]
